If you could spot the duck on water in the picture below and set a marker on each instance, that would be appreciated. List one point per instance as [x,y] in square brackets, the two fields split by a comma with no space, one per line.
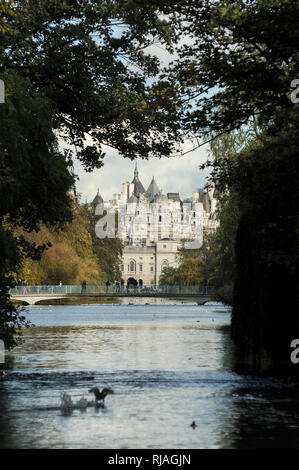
[100,395]
[67,404]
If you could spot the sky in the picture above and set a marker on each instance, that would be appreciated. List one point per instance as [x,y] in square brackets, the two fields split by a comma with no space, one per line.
[174,174]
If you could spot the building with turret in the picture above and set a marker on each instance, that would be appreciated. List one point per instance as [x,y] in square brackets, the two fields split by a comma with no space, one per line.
[153,226]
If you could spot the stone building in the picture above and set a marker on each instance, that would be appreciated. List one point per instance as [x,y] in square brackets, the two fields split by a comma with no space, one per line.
[153,226]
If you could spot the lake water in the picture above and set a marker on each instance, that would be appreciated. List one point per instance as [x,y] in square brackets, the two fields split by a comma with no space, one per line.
[168,364]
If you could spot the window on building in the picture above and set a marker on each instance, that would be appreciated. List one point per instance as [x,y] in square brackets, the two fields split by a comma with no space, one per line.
[164,265]
[132,266]
[140,267]
[122,267]
[152,268]
[160,218]
[164,246]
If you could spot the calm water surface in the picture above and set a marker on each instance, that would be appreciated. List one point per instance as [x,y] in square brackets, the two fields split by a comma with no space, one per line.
[169,365]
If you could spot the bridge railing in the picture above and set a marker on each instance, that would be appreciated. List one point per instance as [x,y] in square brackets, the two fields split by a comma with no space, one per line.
[72,289]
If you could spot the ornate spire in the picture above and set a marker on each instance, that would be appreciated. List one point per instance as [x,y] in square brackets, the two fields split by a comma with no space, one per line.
[138,188]
[136,174]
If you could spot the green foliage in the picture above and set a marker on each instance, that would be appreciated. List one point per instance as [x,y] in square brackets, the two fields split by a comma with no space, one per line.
[78,68]
[189,273]
[265,305]
[108,251]
[34,175]
[92,64]
[238,62]
[11,322]
[70,258]
[34,180]
[196,267]
[237,67]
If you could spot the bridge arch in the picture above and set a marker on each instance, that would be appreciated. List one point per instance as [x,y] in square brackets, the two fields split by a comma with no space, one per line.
[132,282]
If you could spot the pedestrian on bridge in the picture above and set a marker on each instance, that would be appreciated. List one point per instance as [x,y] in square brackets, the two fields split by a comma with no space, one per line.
[83,288]
[107,286]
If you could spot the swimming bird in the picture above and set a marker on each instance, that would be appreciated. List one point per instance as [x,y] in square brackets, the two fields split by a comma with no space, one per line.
[193,425]
[101,395]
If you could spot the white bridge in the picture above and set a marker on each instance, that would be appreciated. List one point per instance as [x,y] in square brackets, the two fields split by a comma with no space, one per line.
[31,295]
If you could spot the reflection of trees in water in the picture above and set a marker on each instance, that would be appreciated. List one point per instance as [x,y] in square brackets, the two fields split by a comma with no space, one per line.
[228,352]
[7,422]
[266,415]
[262,412]
[64,338]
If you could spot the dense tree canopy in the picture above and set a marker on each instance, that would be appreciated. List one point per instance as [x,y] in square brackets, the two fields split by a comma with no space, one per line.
[108,251]
[238,61]
[34,175]
[89,59]
[71,69]
[70,258]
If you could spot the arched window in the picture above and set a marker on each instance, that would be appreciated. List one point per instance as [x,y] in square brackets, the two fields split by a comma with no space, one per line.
[164,264]
[132,266]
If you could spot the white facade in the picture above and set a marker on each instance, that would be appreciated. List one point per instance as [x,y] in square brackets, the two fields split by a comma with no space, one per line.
[153,226]
[145,263]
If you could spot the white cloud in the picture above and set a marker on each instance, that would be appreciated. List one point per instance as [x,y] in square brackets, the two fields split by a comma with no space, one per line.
[174,174]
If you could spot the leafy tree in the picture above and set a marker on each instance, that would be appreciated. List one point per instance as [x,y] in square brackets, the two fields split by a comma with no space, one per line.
[238,62]
[188,273]
[34,174]
[11,320]
[33,183]
[6,13]
[108,251]
[70,258]
[92,64]
[265,305]
[237,66]
[79,68]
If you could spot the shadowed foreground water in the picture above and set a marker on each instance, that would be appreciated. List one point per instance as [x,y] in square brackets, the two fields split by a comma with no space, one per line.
[169,365]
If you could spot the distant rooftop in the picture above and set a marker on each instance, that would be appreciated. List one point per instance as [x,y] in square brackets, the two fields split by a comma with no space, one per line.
[98,199]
